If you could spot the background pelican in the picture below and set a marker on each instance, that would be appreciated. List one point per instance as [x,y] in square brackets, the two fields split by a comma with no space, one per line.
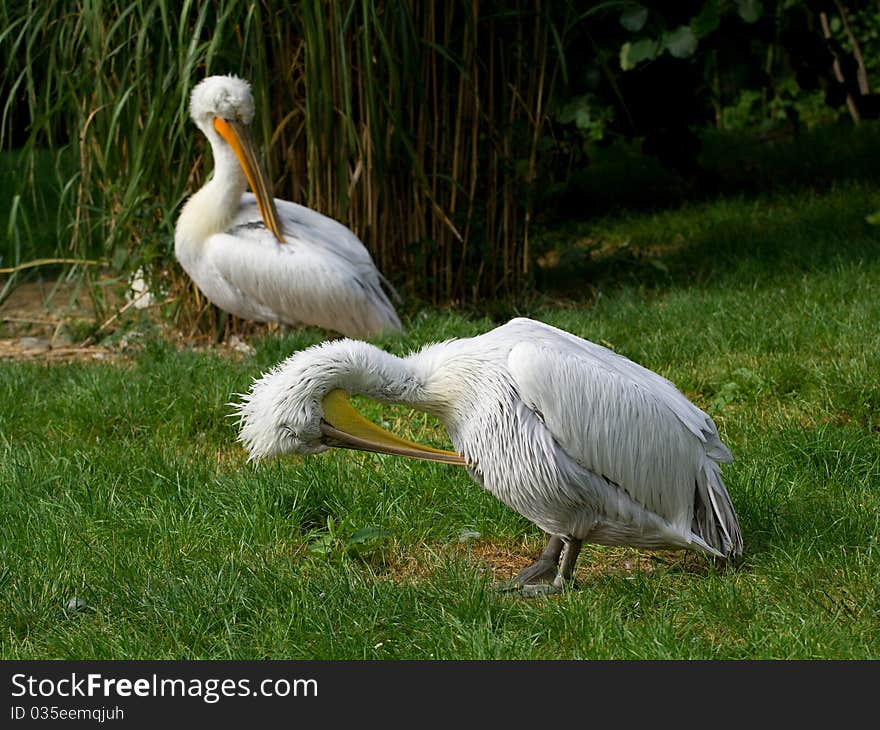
[265,259]
[583,442]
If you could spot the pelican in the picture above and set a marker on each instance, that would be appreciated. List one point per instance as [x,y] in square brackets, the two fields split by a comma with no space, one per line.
[584,442]
[265,259]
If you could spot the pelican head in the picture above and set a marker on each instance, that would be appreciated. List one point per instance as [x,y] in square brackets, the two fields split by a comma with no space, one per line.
[226,97]
[223,108]
[306,408]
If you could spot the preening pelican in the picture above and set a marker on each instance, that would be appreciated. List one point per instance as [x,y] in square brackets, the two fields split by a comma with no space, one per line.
[265,259]
[582,441]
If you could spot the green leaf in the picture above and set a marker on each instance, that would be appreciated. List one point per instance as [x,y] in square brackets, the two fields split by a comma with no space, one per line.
[749,10]
[681,43]
[707,20]
[631,54]
[367,535]
[728,393]
[634,18]
[873,219]
[585,112]
[746,383]
[749,378]
[365,540]
[322,545]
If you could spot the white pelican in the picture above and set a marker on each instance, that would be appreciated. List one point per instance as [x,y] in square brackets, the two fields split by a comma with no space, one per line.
[583,442]
[265,259]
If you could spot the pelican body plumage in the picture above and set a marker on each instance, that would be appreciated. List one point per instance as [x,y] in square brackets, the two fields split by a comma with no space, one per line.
[264,259]
[585,443]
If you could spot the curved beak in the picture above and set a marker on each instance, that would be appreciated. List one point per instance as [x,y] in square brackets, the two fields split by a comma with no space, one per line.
[239,137]
[345,428]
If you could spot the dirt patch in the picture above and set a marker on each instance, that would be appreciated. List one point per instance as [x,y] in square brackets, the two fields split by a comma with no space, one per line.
[505,560]
[43,308]
[41,348]
[501,561]
[55,321]
[38,321]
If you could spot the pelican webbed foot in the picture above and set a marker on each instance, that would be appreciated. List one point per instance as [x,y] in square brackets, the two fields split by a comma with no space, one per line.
[540,575]
[547,575]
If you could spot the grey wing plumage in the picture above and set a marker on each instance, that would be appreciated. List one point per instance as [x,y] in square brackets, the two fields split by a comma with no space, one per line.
[304,226]
[331,266]
[697,421]
[631,426]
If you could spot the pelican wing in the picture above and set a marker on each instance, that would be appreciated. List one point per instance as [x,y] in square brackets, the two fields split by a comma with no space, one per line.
[695,420]
[247,272]
[628,425]
[306,227]
[322,275]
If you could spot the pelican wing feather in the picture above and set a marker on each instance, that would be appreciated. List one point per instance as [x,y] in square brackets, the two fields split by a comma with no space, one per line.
[630,426]
[322,272]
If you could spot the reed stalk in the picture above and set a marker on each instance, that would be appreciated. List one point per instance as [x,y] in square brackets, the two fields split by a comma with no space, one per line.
[416,124]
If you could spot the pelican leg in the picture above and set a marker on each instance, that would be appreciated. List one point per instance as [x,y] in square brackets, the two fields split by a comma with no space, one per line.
[570,548]
[569,560]
[220,325]
[541,573]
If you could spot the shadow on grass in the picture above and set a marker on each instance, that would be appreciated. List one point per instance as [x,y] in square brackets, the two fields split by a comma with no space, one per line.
[725,242]
[620,179]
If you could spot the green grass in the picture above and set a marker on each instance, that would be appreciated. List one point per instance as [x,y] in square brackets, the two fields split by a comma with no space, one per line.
[122,483]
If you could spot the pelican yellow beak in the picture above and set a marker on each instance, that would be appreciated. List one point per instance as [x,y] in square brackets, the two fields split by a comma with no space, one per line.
[239,137]
[344,427]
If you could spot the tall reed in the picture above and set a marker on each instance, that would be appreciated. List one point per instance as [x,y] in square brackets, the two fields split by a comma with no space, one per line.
[416,124]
